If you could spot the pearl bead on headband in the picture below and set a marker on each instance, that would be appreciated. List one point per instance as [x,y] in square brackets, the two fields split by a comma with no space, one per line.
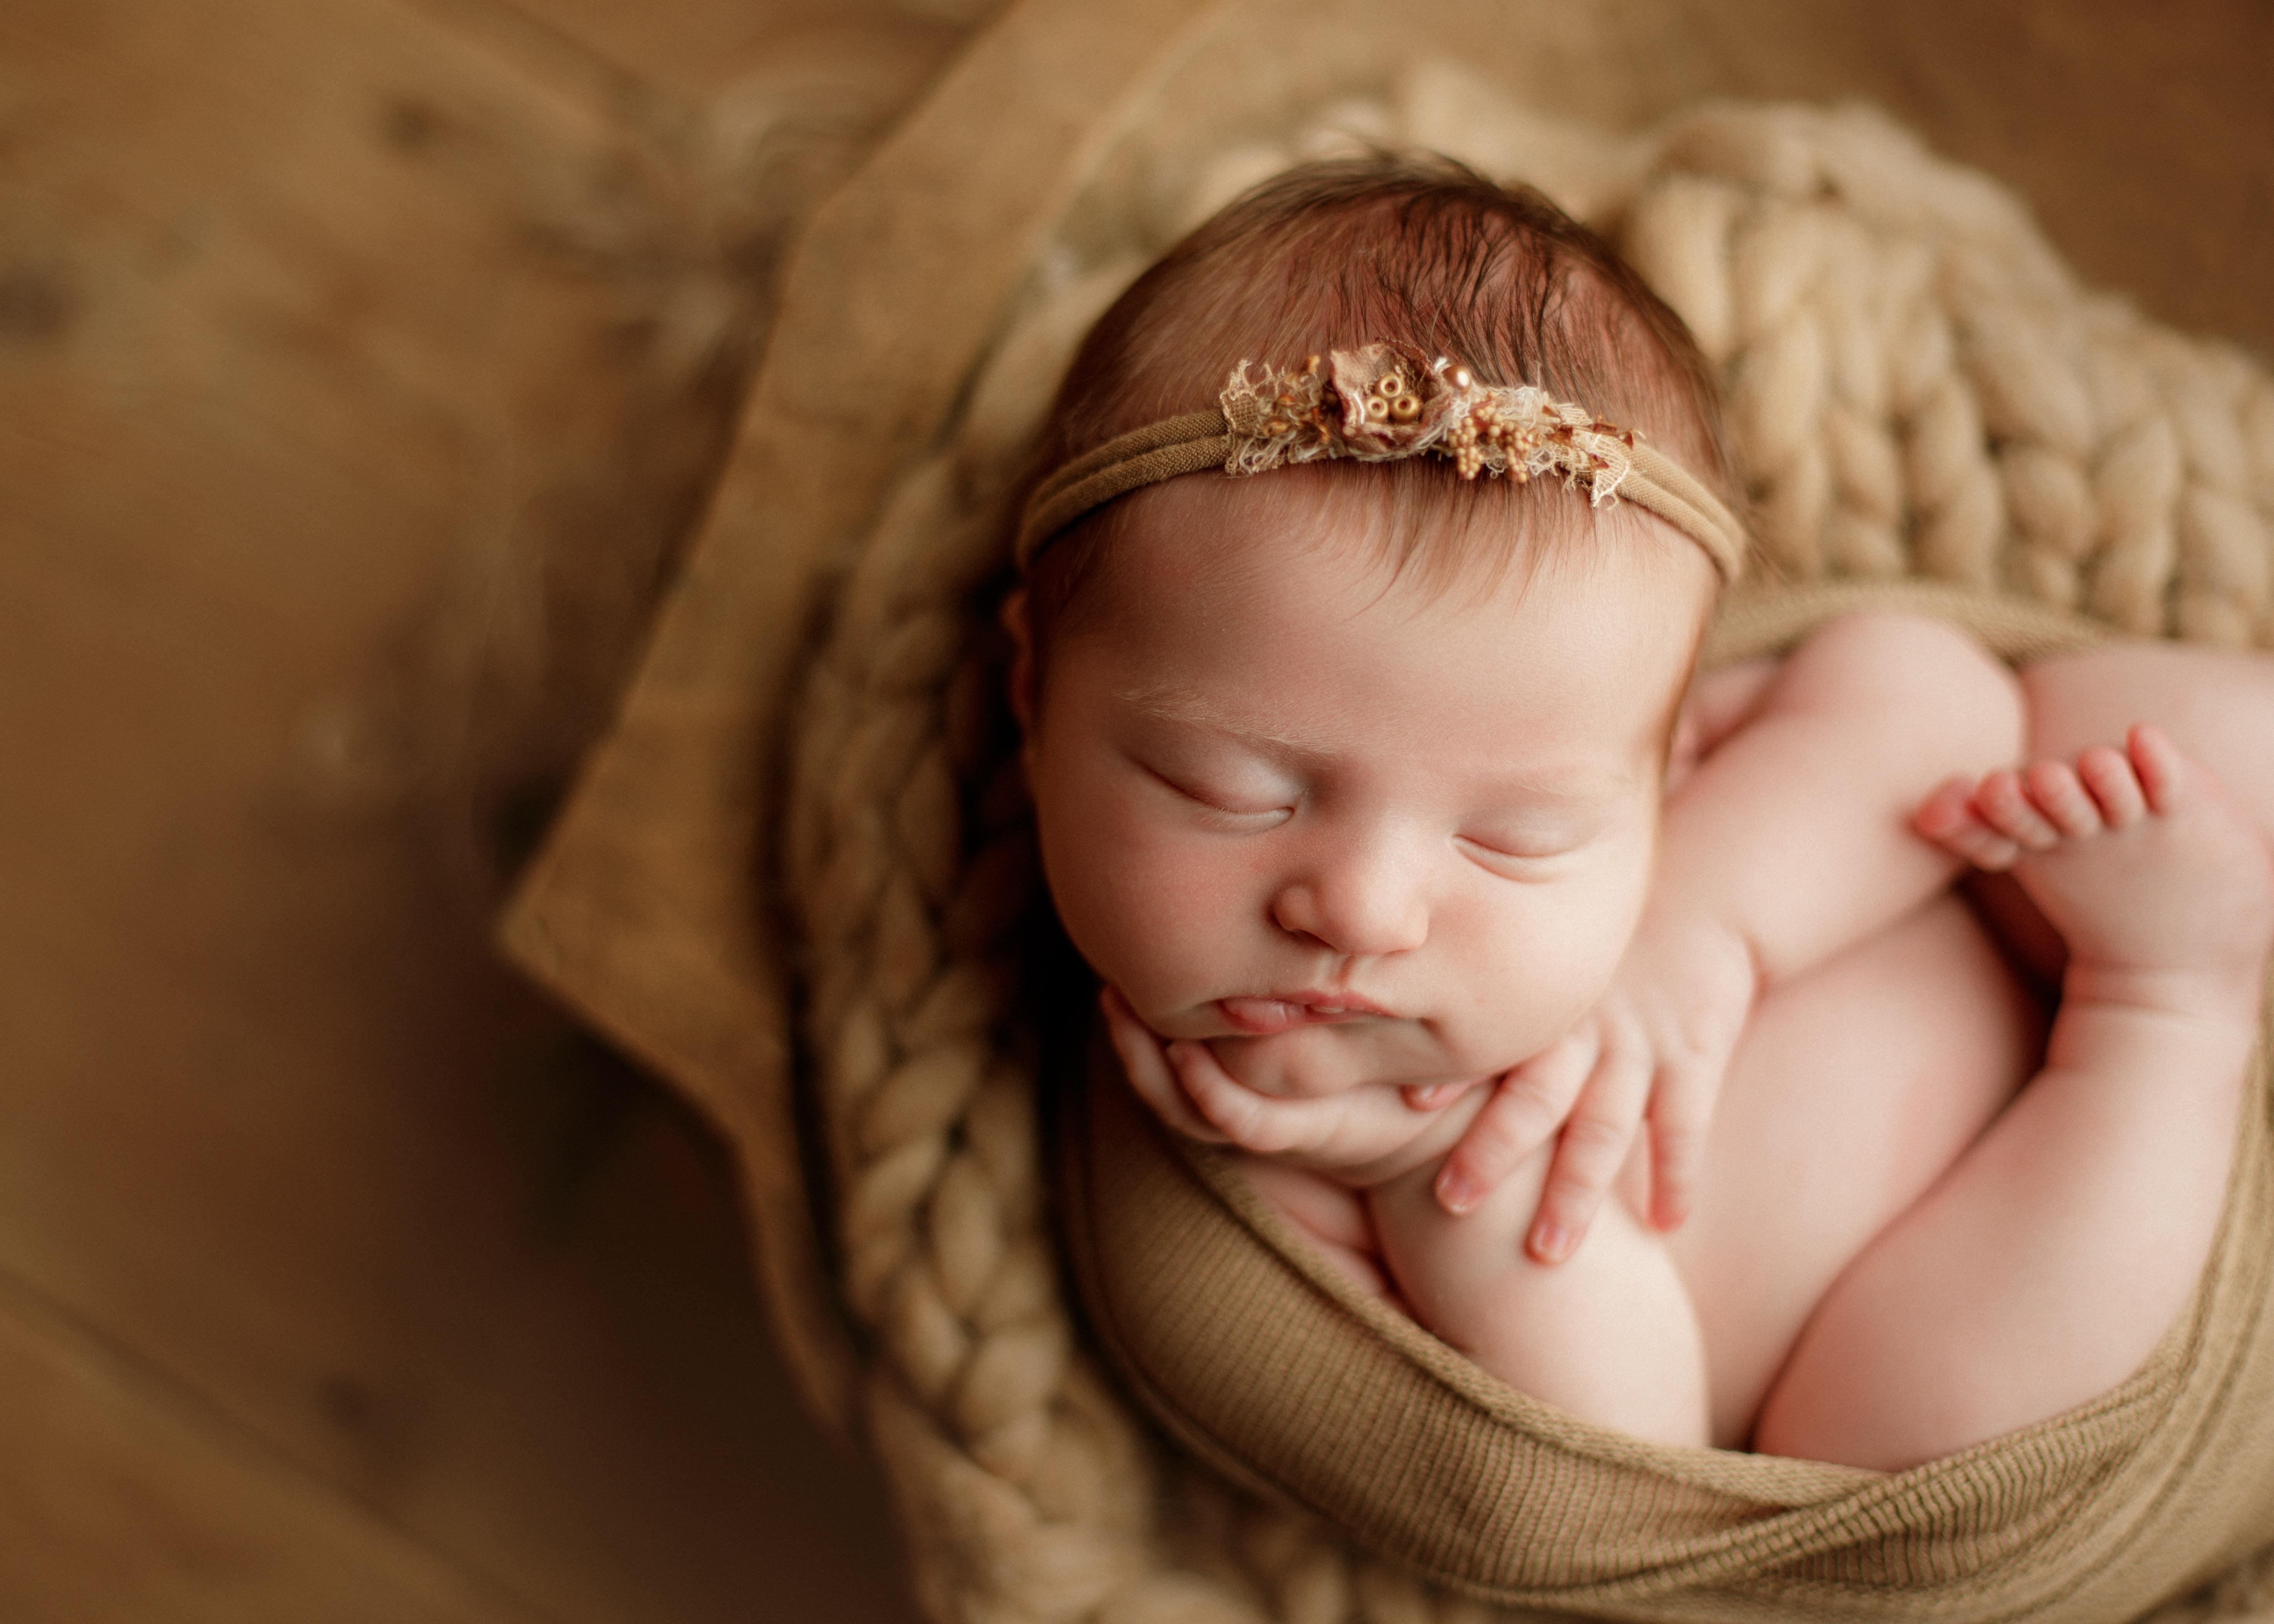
[1380,404]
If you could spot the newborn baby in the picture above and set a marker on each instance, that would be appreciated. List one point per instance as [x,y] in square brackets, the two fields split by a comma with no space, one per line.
[1383,801]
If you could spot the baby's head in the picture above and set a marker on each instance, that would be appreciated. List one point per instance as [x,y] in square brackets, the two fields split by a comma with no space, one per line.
[1353,767]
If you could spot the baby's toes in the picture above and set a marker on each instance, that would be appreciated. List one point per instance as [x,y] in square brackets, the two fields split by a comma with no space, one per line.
[2054,790]
[2161,769]
[1948,818]
[1948,811]
[2107,775]
[2003,803]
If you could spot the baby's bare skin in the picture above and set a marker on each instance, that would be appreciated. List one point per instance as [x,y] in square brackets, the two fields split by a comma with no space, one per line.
[1680,1339]
[1926,1034]
[2079,1221]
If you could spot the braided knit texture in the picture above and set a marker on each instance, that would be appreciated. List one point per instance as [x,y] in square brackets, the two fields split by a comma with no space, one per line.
[1916,386]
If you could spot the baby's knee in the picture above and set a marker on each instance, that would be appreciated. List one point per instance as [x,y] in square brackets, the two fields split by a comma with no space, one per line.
[1915,666]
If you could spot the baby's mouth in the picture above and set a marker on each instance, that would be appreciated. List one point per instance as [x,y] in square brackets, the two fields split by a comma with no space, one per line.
[1260,1016]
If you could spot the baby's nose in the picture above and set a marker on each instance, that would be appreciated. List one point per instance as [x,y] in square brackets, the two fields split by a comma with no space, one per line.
[1366,907]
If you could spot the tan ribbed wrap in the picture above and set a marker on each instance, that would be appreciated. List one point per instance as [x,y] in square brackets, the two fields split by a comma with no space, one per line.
[798,879]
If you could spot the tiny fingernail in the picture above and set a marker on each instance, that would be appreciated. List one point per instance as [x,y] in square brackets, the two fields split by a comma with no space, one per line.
[1457,1192]
[1551,1243]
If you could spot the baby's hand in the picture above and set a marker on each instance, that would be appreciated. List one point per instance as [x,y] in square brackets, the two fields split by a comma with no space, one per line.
[1360,1134]
[1657,1045]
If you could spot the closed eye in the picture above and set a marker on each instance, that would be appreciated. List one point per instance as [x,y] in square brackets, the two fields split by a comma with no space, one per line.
[1518,856]
[1224,809]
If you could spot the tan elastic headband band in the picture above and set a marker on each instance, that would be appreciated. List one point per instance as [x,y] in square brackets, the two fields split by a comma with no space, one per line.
[1379,404]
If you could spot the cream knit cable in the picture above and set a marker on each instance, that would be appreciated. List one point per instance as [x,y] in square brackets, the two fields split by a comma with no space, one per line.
[1916,386]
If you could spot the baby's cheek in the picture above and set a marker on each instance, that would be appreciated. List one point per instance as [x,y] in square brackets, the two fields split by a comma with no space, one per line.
[1538,987]
[1132,916]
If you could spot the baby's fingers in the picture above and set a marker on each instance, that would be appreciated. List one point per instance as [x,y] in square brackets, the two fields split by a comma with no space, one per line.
[1680,1114]
[1148,1071]
[1526,1107]
[1238,1113]
[1591,1149]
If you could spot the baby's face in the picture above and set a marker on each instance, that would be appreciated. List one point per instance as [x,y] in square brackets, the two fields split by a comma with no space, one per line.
[1347,828]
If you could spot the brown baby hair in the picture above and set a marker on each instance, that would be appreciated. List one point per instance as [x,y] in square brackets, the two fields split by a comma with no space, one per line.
[1415,248]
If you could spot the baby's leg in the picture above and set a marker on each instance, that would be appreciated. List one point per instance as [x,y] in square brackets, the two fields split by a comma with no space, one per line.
[2057,1250]
[1854,1088]
[1608,1335]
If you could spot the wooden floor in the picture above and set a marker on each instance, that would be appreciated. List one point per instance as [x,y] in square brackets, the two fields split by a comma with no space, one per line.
[362,364]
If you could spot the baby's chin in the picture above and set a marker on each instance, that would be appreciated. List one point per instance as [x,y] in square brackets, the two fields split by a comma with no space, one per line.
[1312,1061]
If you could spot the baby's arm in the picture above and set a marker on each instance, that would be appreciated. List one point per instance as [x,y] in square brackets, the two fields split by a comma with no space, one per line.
[1610,1337]
[1790,840]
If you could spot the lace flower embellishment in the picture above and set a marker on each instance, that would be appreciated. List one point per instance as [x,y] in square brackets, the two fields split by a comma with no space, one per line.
[1387,401]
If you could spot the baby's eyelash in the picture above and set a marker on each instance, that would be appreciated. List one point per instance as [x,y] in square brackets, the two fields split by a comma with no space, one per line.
[1269,818]
[1261,817]
[1248,823]
[1495,858]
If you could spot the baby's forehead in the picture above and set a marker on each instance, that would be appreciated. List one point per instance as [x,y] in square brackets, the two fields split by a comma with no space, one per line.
[1401,534]
[1230,616]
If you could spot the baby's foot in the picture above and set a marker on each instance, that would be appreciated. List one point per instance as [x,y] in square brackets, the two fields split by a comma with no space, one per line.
[2136,857]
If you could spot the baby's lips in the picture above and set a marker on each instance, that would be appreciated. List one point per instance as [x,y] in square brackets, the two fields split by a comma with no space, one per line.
[1260,1016]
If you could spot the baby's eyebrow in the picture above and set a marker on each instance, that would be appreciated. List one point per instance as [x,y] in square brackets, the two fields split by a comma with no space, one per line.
[1587,792]
[1168,702]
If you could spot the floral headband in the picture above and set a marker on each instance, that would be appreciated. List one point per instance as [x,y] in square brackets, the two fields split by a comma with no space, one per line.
[1380,404]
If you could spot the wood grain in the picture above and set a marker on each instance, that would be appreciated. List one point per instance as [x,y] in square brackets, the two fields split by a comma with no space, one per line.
[361,366]
[122,1500]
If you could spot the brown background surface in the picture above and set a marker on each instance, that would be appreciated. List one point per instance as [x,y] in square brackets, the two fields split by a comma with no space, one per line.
[363,363]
